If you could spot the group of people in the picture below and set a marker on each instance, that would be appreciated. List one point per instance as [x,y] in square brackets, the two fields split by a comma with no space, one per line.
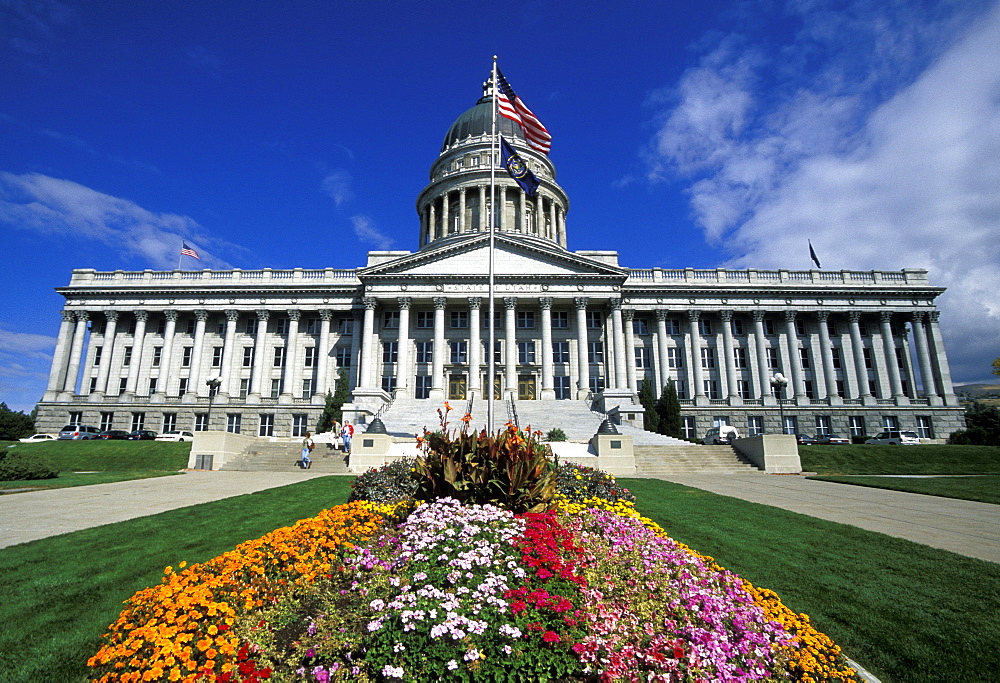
[346,434]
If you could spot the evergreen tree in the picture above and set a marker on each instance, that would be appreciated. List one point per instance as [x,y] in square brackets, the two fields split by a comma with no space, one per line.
[668,408]
[14,425]
[333,410]
[325,423]
[650,418]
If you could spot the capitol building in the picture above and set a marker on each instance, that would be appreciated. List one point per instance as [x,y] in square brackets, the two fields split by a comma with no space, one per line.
[862,350]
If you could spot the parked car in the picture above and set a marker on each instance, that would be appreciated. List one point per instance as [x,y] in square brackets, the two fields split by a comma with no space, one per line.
[113,434]
[79,432]
[894,437]
[724,434]
[804,440]
[38,438]
[175,436]
[831,439]
[142,435]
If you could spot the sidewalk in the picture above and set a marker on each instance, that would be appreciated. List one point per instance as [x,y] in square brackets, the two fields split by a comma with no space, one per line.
[29,516]
[961,526]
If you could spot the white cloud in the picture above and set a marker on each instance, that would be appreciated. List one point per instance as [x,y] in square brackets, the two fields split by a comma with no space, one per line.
[367,232]
[337,185]
[28,345]
[24,366]
[880,172]
[54,206]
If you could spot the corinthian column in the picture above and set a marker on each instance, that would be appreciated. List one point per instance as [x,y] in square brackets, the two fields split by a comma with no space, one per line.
[889,347]
[138,340]
[826,349]
[858,347]
[694,343]
[258,353]
[323,353]
[629,351]
[198,386]
[106,355]
[166,357]
[794,360]
[403,363]
[728,355]
[60,359]
[924,358]
[367,358]
[475,347]
[291,374]
[661,342]
[437,363]
[76,351]
[510,367]
[583,367]
[228,369]
[548,386]
[763,378]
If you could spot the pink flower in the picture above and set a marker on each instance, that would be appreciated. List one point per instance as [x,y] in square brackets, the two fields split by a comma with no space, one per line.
[550,637]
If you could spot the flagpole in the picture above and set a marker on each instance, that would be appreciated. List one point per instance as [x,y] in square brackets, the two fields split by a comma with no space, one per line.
[491,363]
[180,255]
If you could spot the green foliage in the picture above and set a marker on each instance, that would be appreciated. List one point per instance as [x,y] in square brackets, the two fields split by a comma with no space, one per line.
[21,466]
[325,423]
[996,366]
[668,408]
[650,418]
[111,456]
[982,427]
[15,425]
[510,469]
[387,484]
[577,483]
[333,411]
[555,434]
[885,459]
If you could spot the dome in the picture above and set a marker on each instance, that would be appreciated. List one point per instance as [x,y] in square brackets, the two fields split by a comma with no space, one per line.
[478,121]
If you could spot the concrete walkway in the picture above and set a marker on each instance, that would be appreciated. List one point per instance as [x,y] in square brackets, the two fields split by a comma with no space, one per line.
[38,514]
[961,526]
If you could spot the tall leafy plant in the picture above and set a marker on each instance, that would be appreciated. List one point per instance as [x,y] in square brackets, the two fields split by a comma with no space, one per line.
[650,418]
[669,410]
[511,468]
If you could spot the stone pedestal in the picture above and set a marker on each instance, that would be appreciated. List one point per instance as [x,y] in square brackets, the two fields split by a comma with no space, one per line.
[367,451]
[614,454]
[773,453]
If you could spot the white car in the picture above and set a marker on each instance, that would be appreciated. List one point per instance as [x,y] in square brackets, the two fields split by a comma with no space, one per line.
[38,438]
[175,436]
[894,437]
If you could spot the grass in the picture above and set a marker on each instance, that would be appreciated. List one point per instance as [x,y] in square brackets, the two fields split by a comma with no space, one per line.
[905,611]
[60,593]
[985,488]
[110,456]
[70,479]
[923,459]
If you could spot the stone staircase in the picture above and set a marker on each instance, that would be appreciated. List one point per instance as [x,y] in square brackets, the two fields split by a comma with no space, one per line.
[281,456]
[661,460]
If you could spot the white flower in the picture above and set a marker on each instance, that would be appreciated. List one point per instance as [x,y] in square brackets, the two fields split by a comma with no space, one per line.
[390,671]
[452,665]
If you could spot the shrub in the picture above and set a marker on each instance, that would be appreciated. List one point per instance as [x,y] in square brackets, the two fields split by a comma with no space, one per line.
[859,439]
[577,483]
[555,434]
[387,484]
[20,466]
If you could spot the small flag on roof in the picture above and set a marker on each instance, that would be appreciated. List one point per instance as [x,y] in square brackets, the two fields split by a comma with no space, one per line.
[511,107]
[188,251]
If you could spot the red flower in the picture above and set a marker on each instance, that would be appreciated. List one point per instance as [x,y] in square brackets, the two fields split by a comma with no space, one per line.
[550,637]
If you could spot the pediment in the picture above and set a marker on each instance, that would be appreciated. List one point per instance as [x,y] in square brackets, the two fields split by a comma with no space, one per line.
[512,257]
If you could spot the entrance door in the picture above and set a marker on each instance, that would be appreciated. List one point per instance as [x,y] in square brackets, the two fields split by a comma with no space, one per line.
[526,387]
[456,387]
[497,386]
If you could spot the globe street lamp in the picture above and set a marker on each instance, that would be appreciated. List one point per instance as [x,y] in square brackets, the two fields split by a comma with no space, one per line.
[778,384]
[213,382]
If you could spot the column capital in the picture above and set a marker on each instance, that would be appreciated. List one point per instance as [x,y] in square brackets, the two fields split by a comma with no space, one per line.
[661,315]
[758,316]
[440,303]
[404,302]
[142,316]
[111,316]
[263,315]
[726,315]
[693,315]
[790,316]
[325,314]
[294,314]
[369,303]
[201,315]
[170,315]
[615,304]
[628,314]
[232,315]
[475,302]
[933,316]
[855,316]
[580,302]
[822,316]
[68,316]
[545,302]
[82,316]
[885,316]
[510,302]
[917,317]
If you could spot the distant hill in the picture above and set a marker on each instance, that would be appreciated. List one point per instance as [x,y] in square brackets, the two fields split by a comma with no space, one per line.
[981,390]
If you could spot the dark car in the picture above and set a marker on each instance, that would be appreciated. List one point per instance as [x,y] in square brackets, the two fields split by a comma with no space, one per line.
[142,435]
[805,440]
[113,434]
[831,439]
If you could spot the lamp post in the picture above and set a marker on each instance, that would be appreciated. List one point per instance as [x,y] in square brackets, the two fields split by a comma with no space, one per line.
[778,384]
[213,382]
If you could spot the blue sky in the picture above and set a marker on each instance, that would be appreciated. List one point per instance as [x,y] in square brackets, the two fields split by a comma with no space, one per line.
[298,134]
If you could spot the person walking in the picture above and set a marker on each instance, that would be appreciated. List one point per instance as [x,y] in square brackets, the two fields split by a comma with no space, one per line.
[307,445]
[336,430]
[347,433]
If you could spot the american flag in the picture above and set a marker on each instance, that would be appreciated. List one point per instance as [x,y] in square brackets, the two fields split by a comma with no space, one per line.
[511,107]
[188,251]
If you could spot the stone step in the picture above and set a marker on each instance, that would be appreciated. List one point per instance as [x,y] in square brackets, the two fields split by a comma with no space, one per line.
[280,457]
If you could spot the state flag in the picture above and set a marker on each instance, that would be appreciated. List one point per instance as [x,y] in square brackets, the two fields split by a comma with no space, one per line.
[517,169]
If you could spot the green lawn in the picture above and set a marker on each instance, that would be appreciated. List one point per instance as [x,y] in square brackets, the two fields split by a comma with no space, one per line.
[70,479]
[985,488]
[923,459]
[905,611]
[110,456]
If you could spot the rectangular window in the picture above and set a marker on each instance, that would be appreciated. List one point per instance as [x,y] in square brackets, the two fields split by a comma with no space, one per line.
[642,359]
[595,352]
[126,356]
[342,354]
[791,425]
[595,320]
[736,324]
[810,392]
[307,388]
[182,386]
[233,423]
[314,326]
[925,428]
[867,353]
[201,422]
[107,419]
[390,352]
[152,385]
[863,328]
[822,425]
[768,327]
[743,388]
[890,422]
[279,356]
[772,359]
[596,384]
[216,356]
[720,420]
[498,321]
[247,356]
[675,359]
[425,320]
[872,387]
[75,417]
[244,387]
[98,352]
[525,320]
[840,387]
[899,358]
[560,352]
[251,326]
[122,385]
[459,352]
[425,352]
[755,425]
[800,328]
[708,358]
[422,388]
[190,326]
[673,326]
[138,421]
[93,384]
[275,388]
[169,422]
[804,358]
[388,384]
[309,360]
[560,320]
[157,354]
[740,358]
[831,327]
[281,326]
[266,425]
[390,320]
[640,326]
[345,325]
[561,385]
[526,353]
[704,327]
[459,320]
[497,351]
[681,387]
[711,388]
[689,428]
[835,352]
[188,352]
[161,327]
[299,424]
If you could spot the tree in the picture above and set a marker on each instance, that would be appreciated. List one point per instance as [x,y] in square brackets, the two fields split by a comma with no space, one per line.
[982,426]
[14,425]
[333,410]
[668,408]
[996,367]
[650,418]
[325,423]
